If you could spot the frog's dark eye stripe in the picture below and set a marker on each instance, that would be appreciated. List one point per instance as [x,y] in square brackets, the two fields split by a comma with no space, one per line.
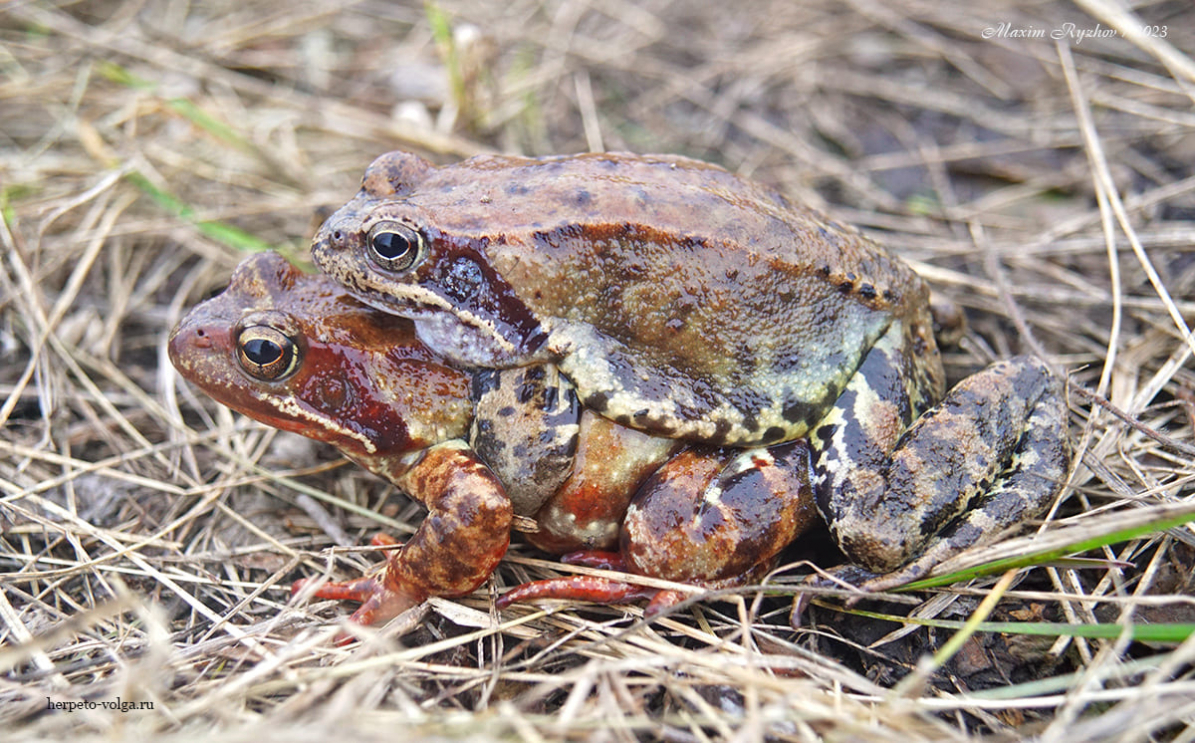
[394,246]
[267,353]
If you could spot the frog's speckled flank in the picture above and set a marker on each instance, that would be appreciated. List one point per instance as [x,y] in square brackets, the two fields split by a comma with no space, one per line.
[509,403]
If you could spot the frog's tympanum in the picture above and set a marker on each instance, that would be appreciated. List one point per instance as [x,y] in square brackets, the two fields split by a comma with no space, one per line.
[299,353]
[687,302]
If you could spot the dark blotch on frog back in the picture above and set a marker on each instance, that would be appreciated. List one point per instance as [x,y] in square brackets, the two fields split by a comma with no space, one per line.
[598,402]
[773,434]
[797,411]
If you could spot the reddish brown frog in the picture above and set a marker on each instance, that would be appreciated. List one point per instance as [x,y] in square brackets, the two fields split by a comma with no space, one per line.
[688,302]
[298,353]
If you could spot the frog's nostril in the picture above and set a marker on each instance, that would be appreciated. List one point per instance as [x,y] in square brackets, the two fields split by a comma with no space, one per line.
[199,332]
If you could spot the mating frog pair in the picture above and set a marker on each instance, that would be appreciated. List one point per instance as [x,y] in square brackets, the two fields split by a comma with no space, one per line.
[688,303]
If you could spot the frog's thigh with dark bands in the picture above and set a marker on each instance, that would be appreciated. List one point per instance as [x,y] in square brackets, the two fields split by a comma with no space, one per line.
[993,453]
[854,440]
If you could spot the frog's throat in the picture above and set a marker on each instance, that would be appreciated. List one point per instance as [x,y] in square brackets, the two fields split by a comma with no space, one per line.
[292,411]
[466,339]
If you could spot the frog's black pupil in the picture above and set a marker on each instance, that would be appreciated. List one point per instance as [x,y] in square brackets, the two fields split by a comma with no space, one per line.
[391,245]
[261,351]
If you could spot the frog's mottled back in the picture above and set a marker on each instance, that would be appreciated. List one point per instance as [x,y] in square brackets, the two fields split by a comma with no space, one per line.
[679,298]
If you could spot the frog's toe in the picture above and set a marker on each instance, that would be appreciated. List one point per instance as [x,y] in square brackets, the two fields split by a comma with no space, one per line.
[846,577]
[578,588]
[383,605]
[601,590]
[599,559]
[381,597]
[598,590]
[858,580]
[382,539]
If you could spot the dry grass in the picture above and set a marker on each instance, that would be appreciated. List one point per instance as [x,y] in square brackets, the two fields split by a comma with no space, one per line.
[148,537]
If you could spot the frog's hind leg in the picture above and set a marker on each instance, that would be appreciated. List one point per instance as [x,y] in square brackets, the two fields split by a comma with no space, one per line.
[713,515]
[1028,483]
[993,453]
[710,518]
[852,445]
[595,589]
[603,590]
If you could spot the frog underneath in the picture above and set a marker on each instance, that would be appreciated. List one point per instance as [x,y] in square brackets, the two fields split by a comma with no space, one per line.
[298,353]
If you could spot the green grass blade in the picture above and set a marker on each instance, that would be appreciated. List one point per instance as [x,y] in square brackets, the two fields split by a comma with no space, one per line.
[234,237]
[1173,516]
[1174,632]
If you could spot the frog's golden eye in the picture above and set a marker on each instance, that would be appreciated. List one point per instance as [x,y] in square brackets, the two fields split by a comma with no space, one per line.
[267,353]
[395,246]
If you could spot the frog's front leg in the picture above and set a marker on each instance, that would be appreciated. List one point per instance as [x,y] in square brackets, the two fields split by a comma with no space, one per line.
[713,518]
[525,427]
[458,545]
[993,453]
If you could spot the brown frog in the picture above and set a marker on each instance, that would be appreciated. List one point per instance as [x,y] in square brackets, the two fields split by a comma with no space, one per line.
[298,353]
[687,302]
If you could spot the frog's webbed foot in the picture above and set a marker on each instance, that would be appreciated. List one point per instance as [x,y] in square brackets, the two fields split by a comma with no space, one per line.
[709,518]
[458,545]
[380,601]
[381,598]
